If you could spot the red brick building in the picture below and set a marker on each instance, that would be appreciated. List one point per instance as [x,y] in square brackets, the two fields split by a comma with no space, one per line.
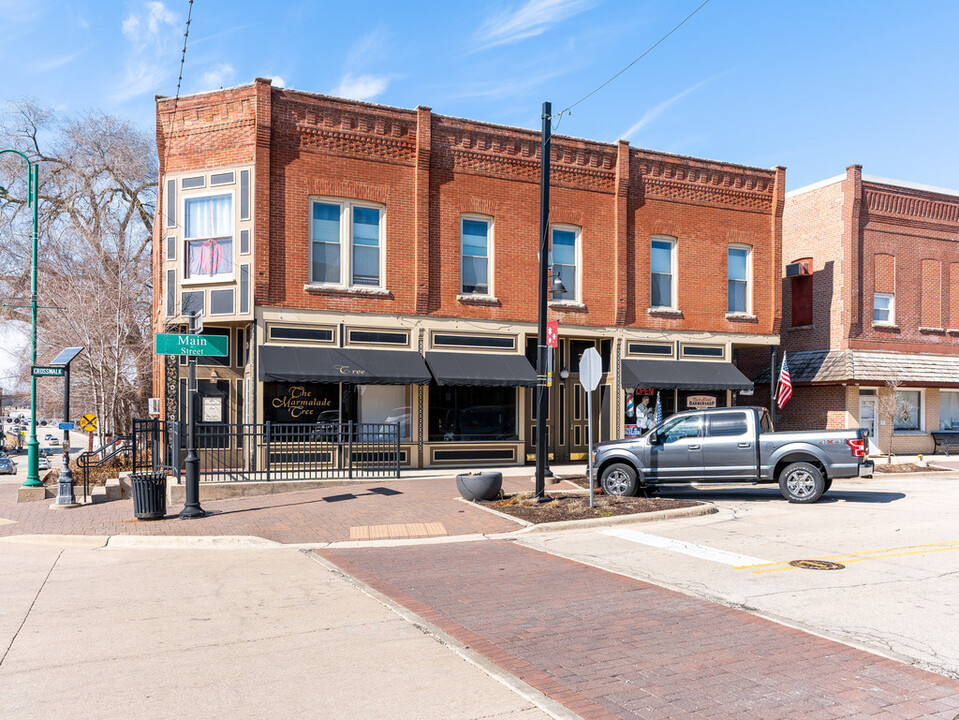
[871,309]
[380,264]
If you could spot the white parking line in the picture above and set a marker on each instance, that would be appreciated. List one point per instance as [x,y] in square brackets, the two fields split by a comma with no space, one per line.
[700,551]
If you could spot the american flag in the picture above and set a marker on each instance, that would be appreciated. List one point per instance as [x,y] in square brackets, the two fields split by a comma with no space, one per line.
[785,386]
[658,415]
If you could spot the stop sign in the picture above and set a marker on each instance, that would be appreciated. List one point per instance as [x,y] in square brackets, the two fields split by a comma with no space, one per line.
[590,369]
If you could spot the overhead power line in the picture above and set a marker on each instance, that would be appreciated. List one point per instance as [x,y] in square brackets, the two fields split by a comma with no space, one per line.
[647,52]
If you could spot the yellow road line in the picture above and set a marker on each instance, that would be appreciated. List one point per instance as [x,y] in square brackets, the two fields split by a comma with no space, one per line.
[951,545]
[879,556]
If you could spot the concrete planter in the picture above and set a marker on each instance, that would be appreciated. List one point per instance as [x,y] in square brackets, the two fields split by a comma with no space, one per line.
[480,486]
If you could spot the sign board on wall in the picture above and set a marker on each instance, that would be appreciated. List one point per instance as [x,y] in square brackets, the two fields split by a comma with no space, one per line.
[633,431]
[701,402]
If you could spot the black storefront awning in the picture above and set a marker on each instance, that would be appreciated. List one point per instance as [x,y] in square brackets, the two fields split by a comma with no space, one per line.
[360,367]
[682,375]
[486,369]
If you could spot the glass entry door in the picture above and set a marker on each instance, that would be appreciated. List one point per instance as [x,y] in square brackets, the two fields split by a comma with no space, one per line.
[868,421]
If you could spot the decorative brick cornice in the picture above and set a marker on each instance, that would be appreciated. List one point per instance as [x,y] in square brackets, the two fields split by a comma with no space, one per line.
[894,206]
[688,180]
[513,153]
[359,131]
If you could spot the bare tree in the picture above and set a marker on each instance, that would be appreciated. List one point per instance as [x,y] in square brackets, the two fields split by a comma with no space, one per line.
[98,184]
[892,408]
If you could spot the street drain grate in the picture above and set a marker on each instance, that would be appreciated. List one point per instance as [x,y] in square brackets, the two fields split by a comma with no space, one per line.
[817,565]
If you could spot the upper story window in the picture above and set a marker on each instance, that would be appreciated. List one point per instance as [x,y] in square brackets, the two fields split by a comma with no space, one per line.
[209,237]
[565,248]
[662,262]
[474,253]
[346,240]
[883,309]
[737,279]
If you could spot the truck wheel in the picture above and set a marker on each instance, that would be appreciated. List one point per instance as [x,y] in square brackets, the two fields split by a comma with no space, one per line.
[801,483]
[619,479]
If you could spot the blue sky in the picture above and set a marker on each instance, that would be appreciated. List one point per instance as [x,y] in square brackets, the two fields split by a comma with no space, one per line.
[814,85]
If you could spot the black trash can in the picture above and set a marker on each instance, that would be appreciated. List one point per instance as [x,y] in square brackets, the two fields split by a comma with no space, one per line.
[149,495]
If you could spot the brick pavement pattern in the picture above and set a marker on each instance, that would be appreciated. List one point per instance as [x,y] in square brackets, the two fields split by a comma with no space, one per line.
[607,646]
[309,516]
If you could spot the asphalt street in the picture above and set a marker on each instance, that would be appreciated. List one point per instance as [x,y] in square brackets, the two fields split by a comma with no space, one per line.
[898,592]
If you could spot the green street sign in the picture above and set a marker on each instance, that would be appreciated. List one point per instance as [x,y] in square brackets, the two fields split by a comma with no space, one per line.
[170,344]
[40,371]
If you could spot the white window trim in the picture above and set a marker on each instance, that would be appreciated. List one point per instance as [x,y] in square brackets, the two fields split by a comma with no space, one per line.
[941,393]
[749,279]
[577,231]
[198,194]
[346,246]
[489,294]
[892,309]
[673,274]
[922,411]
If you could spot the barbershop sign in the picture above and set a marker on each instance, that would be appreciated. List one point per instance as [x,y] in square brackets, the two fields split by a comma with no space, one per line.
[700,402]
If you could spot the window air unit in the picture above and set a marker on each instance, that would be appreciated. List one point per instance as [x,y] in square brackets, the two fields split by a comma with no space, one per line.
[797,268]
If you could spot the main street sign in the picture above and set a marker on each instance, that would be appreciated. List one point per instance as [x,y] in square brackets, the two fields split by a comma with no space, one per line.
[40,371]
[206,345]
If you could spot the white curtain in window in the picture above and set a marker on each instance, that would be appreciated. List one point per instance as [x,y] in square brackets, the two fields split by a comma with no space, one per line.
[209,217]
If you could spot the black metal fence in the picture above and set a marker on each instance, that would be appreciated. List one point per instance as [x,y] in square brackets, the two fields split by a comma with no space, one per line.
[272,451]
[157,446]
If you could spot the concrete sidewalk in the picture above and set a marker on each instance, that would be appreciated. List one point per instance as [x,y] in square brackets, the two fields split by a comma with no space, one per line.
[253,634]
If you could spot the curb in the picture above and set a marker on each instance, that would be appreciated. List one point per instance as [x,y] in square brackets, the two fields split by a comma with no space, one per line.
[535,697]
[191,542]
[89,542]
[703,509]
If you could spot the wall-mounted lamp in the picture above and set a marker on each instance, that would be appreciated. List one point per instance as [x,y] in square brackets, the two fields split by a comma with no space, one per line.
[556,284]
[564,373]
[214,376]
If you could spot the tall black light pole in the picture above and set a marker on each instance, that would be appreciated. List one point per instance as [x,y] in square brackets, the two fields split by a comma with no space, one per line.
[192,509]
[542,391]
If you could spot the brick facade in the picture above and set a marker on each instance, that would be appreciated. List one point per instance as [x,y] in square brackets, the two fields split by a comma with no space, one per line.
[426,171]
[864,236]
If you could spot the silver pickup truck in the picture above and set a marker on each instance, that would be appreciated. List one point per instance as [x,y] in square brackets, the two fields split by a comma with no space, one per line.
[731,445]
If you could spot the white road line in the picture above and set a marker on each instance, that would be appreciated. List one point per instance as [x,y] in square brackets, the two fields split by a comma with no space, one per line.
[700,551]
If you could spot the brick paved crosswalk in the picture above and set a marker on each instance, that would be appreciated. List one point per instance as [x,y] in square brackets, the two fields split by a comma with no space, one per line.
[612,647]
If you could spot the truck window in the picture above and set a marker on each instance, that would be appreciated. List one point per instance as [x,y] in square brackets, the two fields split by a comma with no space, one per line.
[765,424]
[727,424]
[680,428]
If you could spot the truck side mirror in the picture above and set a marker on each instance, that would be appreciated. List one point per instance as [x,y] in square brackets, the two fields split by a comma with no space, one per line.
[653,438]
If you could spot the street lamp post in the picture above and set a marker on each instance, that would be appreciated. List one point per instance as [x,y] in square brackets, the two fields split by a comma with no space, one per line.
[33,197]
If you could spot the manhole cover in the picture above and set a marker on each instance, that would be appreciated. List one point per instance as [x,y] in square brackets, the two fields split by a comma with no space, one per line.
[816,565]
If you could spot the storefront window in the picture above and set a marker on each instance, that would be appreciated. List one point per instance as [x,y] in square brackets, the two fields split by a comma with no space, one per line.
[906,416]
[948,410]
[472,413]
[301,402]
[386,404]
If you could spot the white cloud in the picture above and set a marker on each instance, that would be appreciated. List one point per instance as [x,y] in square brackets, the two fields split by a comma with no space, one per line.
[532,19]
[277,81]
[55,63]
[499,89]
[654,113]
[153,32]
[368,49]
[217,77]
[362,87]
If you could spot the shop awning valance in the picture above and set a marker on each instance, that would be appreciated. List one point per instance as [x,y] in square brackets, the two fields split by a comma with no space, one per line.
[485,369]
[282,363]
[682,375]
